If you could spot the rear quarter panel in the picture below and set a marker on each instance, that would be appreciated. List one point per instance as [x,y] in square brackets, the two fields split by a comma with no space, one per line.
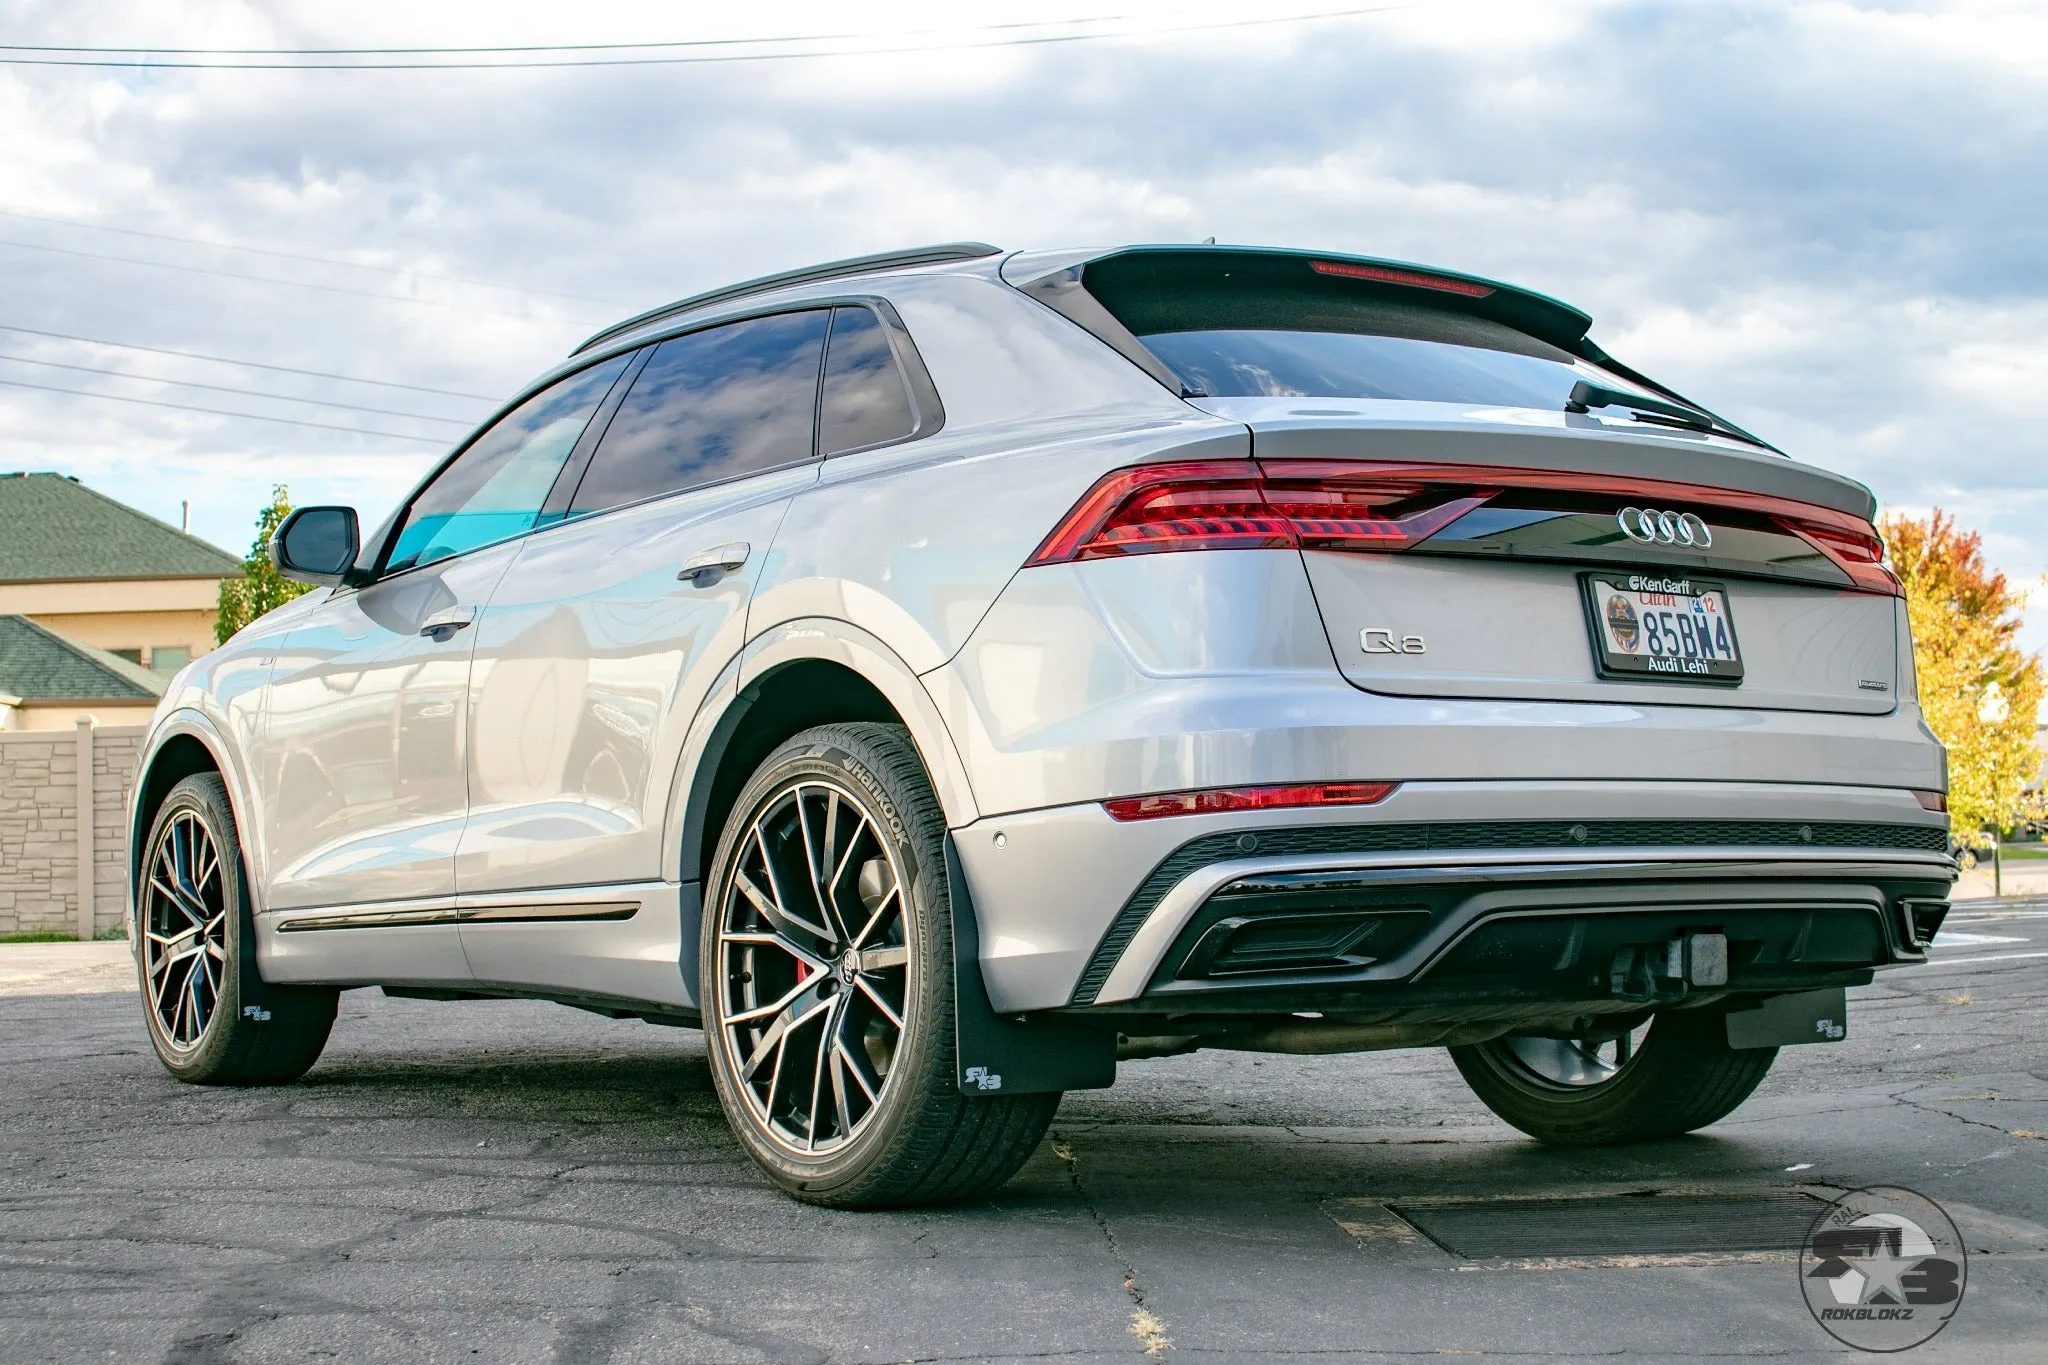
[912,543]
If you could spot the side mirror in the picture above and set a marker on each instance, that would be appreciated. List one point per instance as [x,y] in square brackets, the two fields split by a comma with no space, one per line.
[316,545]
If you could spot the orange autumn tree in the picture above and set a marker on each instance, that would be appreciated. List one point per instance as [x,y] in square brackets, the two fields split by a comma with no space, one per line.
[1979,692]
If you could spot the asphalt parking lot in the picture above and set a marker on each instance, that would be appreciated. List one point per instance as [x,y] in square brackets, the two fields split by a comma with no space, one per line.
[511,1181]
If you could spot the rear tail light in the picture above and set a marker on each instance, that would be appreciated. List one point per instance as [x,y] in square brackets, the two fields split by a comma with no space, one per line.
[1345,510]
[1210,505]
[1387,507]
[1241,505]
[1249,798]
[1856,550]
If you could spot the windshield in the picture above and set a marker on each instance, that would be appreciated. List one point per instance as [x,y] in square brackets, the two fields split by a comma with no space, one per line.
[1257,363]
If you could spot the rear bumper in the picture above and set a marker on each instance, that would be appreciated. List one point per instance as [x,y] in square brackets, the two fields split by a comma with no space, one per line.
[1169,672]
[1076,910]
[1371,932]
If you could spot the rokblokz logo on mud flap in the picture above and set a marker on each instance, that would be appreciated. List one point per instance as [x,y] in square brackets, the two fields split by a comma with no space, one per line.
[1883,1269]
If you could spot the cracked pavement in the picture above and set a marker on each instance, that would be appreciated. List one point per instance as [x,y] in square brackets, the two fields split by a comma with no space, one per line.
[514,1181]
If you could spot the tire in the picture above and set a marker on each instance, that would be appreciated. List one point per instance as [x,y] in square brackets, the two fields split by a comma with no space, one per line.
[211,1018]
[1682,1076]
[801,982]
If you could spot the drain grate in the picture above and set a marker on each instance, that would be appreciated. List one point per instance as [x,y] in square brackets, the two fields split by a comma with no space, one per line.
[1648,1224]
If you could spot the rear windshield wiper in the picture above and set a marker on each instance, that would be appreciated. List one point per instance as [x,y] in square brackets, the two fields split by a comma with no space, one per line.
[1585,397]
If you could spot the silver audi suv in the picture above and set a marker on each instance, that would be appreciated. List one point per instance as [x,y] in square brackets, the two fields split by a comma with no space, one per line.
[940,675]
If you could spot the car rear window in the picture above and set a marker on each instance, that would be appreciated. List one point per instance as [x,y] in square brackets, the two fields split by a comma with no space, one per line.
[1234,323]
[1282,363]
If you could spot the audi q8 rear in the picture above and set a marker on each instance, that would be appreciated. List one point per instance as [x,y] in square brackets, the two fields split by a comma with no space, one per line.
[1467,689]
[1093,655]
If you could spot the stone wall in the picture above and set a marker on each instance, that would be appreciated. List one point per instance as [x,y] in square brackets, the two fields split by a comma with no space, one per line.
[39,826]
[116,750]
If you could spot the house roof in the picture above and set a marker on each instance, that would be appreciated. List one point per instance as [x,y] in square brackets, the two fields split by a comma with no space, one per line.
[38,664]
[53,527]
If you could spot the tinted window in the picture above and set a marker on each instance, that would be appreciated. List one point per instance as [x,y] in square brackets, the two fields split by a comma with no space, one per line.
[711,406]
[865,401]
[1315,364]
[496,487]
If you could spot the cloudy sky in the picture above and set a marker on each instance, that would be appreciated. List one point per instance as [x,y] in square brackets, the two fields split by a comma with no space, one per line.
[1827,220]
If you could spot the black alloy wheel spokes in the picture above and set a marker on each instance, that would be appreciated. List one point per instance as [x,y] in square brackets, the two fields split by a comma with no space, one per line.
[184,930]
[814,966]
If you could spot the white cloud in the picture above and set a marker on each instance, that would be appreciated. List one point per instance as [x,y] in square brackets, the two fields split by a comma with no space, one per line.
[1825,219]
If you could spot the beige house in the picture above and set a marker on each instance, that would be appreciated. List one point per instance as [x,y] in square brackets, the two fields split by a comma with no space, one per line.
[122,602]
[49,683]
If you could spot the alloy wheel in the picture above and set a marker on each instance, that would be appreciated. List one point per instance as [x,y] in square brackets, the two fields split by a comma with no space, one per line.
[184,930]
[1576,1063]
[814,967]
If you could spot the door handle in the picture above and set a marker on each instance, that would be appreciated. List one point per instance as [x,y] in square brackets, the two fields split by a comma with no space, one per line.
[442,625]
[724,558]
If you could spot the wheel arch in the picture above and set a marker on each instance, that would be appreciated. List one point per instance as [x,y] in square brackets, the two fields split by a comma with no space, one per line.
[183,745]
[797,675]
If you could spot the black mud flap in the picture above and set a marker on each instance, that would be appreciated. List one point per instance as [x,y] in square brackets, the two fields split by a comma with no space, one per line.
[1013,1054]
[262,1002]
[1782,1020]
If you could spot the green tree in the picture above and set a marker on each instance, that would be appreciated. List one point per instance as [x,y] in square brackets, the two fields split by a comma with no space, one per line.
[1978,691]
[261,587]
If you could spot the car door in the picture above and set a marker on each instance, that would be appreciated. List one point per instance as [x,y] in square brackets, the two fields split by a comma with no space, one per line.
[366,758]
[599,646]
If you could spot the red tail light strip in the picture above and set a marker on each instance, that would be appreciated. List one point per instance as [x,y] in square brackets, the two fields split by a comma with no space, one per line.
[1857,550]
[1330,504]
[1249,798]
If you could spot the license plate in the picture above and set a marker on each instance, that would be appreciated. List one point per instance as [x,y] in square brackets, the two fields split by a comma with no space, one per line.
[1656,627]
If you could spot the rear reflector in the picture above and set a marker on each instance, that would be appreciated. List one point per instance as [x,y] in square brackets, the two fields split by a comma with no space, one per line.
[1248,798]
[1932,800]
[1383,274]
[1386,506]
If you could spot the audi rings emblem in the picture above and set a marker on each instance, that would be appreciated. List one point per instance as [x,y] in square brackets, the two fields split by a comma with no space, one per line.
[1652,527]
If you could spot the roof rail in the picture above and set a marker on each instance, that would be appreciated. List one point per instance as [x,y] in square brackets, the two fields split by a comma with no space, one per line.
[810,274]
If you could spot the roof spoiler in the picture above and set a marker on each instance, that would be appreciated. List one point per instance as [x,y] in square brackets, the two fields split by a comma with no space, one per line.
[1154,270]
[1099,289]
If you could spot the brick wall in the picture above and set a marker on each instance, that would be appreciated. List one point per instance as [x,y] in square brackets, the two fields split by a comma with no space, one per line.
[39,824]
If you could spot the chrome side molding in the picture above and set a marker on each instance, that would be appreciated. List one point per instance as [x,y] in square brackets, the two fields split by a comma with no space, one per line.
[492,912]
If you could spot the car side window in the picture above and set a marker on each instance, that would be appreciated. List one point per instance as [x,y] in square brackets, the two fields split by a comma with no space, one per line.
[866,400]
[495,489]
[711,406]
